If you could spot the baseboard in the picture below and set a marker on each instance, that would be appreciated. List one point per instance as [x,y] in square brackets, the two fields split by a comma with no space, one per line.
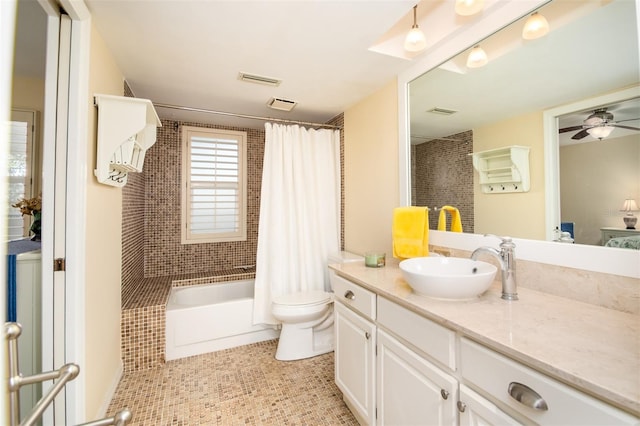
[102,413]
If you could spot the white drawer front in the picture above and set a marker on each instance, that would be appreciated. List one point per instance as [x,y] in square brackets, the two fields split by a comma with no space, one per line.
[494,373]
[357,298]
[431,338]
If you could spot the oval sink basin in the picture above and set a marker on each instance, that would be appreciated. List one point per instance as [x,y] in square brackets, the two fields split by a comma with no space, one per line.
[451,278]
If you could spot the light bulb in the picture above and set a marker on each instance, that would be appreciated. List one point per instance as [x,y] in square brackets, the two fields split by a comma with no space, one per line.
[535,27]
[468,7]
[600,132]
[477,58]
[415,40]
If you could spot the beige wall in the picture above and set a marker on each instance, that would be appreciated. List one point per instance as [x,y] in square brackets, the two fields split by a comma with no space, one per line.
[515,214]
[595,178]
[103,248]
[371,171]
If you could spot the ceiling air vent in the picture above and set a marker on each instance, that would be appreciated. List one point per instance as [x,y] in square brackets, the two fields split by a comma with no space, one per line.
[442,111]
[253,78]
[281,104]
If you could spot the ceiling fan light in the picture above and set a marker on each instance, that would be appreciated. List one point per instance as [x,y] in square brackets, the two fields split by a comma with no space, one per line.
[415,40]
[468,7]
[535,27]
[600,132]
[477,58]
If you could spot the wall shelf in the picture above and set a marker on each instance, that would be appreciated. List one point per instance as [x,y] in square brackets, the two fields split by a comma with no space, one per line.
[503,170]
[126,130]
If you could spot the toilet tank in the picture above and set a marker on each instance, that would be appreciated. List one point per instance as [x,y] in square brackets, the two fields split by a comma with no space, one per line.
[342,257]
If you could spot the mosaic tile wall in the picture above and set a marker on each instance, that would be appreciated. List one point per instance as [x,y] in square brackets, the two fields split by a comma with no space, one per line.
[132,228]
[338,120]
[442,174]
[164,254]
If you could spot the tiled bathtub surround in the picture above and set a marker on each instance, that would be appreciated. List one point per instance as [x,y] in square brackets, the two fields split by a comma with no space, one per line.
[151,213]
[164,254]
[442,174]
[153,259]
[143,327]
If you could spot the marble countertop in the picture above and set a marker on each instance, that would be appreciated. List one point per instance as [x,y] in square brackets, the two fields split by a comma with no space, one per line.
[594,349]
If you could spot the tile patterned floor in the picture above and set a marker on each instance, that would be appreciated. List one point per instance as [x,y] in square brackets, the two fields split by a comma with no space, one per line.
[244,385]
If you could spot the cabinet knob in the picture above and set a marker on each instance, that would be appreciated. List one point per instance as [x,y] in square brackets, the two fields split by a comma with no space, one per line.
[349,295]
[367,335]
[461,406]
[444,393]
[527,396]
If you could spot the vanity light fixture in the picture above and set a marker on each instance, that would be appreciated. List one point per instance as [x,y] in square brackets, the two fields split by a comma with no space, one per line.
[477,58]
[600,132]
[468,7]
[415,40]
[535,27]
[630,206]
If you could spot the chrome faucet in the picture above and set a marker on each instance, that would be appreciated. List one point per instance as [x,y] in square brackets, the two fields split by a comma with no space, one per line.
[506,257]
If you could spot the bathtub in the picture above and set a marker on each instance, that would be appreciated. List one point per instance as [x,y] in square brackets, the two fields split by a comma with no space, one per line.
[211,317]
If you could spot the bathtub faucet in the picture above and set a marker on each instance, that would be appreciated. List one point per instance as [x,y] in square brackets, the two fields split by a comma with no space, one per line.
[507,259]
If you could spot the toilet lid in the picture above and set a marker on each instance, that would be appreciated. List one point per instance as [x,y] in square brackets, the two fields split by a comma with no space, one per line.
[314,297]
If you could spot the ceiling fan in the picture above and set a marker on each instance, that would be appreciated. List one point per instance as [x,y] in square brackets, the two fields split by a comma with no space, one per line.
[599,124]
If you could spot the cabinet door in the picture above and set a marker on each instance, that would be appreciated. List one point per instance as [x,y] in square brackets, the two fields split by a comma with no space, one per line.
[355,361]
[477,411]
[411,390]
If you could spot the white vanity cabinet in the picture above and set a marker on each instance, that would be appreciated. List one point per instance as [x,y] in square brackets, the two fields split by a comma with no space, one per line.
[412,390]
[397,367]
[536,397]
[355,345]
[476,410]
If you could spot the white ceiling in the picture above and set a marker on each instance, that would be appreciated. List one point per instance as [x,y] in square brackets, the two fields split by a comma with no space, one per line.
[332,54]
[592,49]
[190,53]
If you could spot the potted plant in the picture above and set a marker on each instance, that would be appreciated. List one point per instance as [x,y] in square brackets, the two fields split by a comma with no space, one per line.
[32,207]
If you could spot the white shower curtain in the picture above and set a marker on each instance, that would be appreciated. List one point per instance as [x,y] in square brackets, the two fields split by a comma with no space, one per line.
[299,213]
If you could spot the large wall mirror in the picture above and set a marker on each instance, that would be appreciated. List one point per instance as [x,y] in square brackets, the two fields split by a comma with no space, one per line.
[545,94]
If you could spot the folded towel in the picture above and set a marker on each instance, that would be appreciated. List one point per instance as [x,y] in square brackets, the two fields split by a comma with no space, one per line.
[456,224]
[410,232]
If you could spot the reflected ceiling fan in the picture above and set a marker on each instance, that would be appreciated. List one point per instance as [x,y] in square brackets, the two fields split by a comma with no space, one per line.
[599,125]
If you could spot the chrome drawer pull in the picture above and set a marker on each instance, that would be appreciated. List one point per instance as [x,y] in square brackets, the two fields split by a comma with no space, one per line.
[527,396]
[349,295]
[444,393]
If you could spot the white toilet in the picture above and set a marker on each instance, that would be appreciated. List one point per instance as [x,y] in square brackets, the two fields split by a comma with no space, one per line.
[307,319]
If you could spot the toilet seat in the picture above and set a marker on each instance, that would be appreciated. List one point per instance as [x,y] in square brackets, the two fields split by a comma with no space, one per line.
[304,299]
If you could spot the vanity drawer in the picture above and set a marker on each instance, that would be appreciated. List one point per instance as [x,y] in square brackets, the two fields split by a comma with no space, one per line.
[500,377]
[433,339]
[357,298]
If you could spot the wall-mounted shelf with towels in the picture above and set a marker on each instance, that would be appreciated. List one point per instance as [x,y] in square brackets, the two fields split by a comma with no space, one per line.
[503,170]
[126,130]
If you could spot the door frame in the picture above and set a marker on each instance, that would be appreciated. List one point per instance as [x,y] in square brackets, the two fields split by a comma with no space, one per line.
[73,197]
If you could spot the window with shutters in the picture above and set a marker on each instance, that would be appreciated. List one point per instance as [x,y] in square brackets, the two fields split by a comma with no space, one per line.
[214,180]
[22,166]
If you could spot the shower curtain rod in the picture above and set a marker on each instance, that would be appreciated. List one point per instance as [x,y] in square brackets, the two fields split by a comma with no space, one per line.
[252,117]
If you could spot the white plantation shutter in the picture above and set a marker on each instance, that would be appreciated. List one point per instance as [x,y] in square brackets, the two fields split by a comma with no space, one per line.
[21,152]
[214,185]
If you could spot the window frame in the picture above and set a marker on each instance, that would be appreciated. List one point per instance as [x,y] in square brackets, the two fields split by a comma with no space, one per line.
[28,116]
[187,237]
